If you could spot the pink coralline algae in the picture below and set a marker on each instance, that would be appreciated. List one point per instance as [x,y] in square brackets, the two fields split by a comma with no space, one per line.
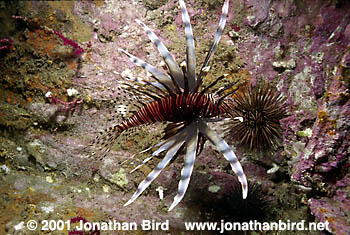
[329,146]
[325,162]
[305,49]
[335,210]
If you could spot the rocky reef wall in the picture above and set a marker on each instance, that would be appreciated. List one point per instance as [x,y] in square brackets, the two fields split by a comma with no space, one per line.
[60,67]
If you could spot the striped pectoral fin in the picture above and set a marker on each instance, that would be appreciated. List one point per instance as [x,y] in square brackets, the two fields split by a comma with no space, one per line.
[165,145]
[186,172]
[190,48]
[228,154]
[216,38]
[142,163]
[174,68]
[153,175]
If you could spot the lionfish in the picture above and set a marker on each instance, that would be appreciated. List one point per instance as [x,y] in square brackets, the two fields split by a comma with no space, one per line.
[179,99]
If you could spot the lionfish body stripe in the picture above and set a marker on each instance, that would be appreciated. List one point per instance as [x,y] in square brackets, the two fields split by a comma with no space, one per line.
[174,109]
[179,99]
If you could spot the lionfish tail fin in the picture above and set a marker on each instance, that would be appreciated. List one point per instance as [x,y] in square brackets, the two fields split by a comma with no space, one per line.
[103,142]
[228,154]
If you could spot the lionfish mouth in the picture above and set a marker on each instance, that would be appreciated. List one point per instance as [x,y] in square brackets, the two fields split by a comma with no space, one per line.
[180,99]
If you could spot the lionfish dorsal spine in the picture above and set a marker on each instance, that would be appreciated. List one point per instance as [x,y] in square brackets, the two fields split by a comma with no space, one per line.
[173,67]
[215,42]
[190,48]
[160,76]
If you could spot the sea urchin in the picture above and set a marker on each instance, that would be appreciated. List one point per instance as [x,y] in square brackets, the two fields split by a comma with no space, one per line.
[261,107]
